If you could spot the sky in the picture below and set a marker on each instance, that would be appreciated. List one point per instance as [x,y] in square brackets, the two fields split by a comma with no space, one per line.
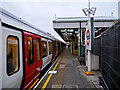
[41,13]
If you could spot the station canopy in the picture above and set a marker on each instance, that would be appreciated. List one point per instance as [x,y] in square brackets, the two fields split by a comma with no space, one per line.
[67,27]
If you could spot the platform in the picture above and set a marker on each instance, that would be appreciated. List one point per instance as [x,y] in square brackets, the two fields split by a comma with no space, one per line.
[68,73]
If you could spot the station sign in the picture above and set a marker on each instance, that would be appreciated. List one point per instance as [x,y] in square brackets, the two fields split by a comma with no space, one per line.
[88,37]
[89,34]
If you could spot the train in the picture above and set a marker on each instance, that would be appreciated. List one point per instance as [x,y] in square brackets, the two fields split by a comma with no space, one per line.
[24,51]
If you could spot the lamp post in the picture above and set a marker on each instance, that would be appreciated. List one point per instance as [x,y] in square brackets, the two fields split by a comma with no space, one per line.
[88,11]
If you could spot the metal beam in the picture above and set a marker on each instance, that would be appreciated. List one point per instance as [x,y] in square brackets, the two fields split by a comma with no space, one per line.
[83,24]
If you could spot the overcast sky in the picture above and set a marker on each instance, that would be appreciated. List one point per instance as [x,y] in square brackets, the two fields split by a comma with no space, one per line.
[41,13]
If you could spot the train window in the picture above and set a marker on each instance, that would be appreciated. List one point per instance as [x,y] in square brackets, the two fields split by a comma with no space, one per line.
[38,49]
[50,48]
[12,55]
[30,50]
[44,49]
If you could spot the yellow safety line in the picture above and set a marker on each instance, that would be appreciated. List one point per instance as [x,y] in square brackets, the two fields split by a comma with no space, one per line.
[45,84]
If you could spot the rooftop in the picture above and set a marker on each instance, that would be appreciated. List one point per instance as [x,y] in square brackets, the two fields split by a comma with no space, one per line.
[84,19]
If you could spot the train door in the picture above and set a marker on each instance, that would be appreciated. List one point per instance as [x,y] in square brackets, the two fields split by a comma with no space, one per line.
[50,50]
[44,45]
[53,51]
[56,48]
[38,57]
[12,65]
[29,59]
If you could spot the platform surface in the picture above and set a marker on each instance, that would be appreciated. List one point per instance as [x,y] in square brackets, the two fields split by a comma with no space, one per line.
[70,74]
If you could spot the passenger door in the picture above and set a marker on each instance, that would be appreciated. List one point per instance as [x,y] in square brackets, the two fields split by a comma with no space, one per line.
[44,45]
[50,50]
[29,59]
[38,57]
[53,50]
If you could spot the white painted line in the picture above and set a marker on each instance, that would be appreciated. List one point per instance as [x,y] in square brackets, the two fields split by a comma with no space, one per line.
[53,72]
[62,66]
[56,86]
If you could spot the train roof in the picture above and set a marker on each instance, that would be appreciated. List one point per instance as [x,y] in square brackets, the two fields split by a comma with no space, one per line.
[12,20]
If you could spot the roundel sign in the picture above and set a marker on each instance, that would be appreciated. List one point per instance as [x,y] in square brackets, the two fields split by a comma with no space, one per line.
[88,37]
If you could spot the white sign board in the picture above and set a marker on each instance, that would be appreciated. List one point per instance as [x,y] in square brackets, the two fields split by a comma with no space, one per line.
[89,35]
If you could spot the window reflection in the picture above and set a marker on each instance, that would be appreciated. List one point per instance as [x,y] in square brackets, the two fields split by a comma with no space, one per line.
[44,49]
[30,50]
[12,54]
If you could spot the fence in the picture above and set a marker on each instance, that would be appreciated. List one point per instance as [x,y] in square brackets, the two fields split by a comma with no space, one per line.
[108,48]
[97,49]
